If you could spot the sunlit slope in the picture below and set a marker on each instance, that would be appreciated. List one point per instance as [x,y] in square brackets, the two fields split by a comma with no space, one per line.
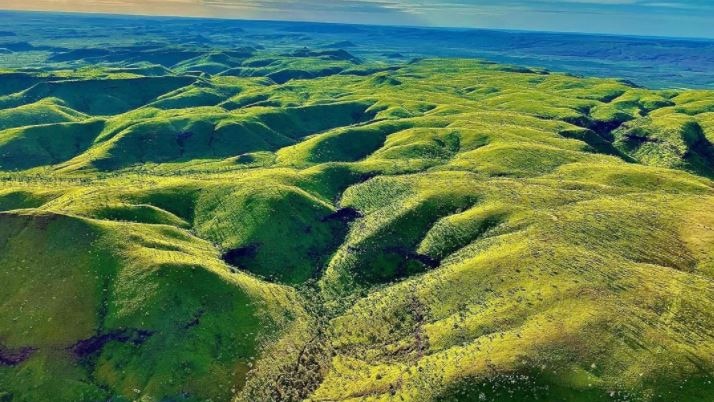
[439,230]
[97,308]
[566,285]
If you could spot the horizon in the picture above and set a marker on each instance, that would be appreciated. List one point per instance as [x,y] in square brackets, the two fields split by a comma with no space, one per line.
[686,19]
[362,24]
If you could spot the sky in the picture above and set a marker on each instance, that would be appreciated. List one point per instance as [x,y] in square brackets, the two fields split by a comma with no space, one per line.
[688,18]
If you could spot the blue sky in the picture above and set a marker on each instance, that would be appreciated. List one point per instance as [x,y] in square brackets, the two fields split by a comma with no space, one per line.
[694,18]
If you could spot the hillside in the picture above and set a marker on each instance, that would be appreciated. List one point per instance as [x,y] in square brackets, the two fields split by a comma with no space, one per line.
[309,225]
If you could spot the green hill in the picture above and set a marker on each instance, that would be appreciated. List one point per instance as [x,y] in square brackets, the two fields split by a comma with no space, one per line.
[311,226]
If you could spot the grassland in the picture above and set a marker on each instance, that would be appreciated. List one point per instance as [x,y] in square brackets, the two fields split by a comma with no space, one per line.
[306,225]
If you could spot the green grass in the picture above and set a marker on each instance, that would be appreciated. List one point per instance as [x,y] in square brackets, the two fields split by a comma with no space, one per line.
[43,112]
[307,226]
[50,144]
[152,278]
[99,96]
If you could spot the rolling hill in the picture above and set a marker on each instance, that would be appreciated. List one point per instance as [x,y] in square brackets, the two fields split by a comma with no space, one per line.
[305,224]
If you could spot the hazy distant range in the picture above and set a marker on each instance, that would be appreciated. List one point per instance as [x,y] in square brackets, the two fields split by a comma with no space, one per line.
[28,38]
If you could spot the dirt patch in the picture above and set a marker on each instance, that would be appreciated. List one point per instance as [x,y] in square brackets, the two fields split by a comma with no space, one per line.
[343,215]
[235,256]
[13,357]
[86,347]
[409,255]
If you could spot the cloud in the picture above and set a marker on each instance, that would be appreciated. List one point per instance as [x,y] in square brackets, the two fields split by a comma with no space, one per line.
[365,6]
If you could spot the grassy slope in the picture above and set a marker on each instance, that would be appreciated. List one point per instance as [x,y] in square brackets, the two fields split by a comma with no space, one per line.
[514,235]
[130,282]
